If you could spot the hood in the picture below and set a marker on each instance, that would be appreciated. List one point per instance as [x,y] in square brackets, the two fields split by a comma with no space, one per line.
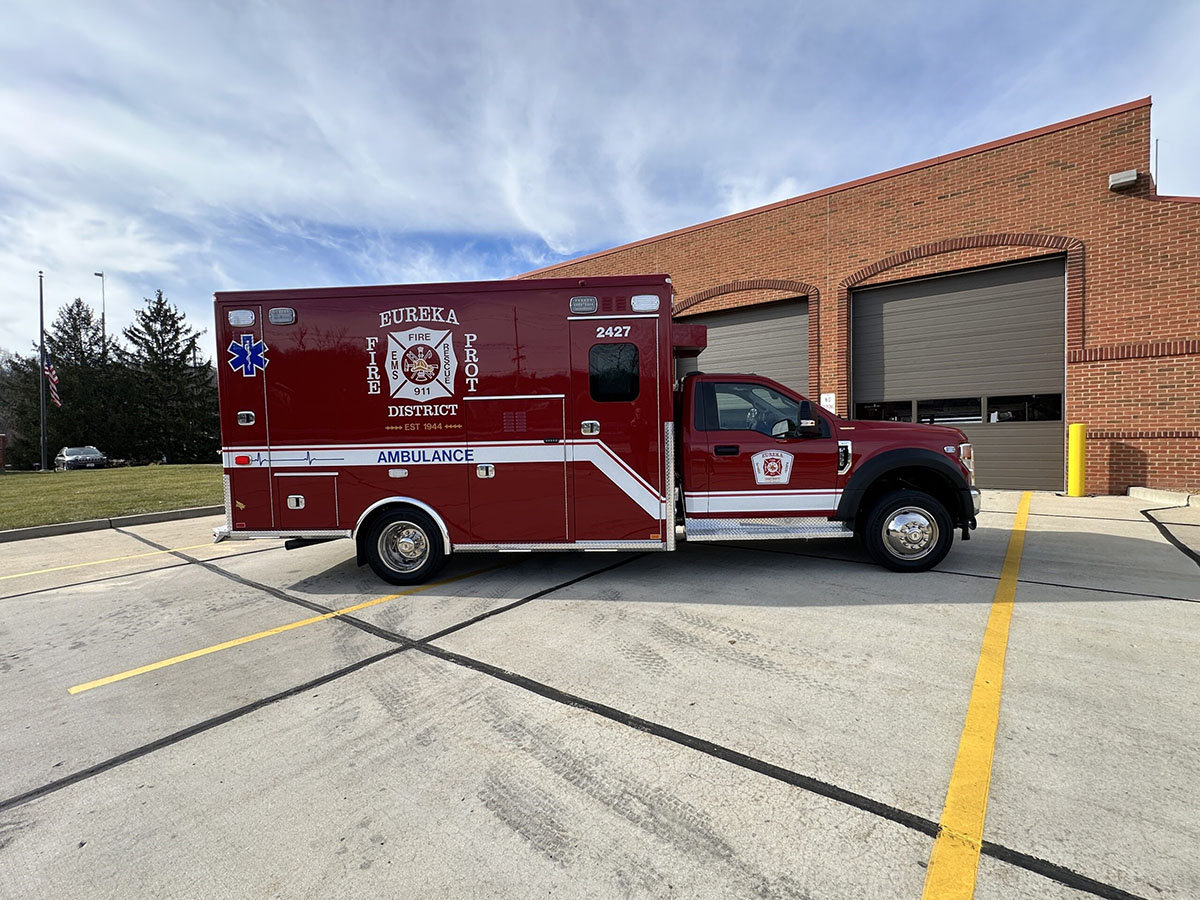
[943,434]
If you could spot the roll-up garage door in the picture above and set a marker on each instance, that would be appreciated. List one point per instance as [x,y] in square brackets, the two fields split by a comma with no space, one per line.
[982,351]
[770,339]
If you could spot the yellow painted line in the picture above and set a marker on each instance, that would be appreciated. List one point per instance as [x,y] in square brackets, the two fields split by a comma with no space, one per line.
[237,642]
[100,562]
[955,858]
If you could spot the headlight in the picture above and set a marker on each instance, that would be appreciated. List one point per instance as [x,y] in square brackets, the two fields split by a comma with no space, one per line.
[966,453]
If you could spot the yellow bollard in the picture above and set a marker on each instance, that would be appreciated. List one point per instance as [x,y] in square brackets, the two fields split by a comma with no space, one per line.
[1076,458]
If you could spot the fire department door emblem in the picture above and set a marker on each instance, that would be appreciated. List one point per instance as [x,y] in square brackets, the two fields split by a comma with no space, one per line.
[421,364]
[772,467]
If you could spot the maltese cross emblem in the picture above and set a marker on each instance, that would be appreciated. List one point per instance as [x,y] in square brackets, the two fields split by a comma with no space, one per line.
[420,364]
[772,467]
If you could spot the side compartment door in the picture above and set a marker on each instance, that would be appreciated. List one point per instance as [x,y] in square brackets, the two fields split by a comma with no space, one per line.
[758,467]
[246,452]
[306,501]
[615,430]
[517,473]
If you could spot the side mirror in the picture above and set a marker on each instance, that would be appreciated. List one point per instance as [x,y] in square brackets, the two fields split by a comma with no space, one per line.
[809,426]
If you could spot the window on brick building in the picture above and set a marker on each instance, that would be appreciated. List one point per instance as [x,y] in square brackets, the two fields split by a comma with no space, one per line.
[956,411]
[890,411]
[1025,408]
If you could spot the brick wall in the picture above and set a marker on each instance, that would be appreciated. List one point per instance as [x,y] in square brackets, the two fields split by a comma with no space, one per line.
[1133,272]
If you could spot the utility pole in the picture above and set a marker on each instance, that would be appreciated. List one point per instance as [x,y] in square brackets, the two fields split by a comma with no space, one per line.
[103,338]
[42,362]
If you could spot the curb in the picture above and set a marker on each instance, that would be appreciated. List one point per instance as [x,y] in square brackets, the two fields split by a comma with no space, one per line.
[1178,498]
[170,515]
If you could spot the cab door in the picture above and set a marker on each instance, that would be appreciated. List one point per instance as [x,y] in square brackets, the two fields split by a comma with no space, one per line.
[758,465]
[616,440]
[244,432]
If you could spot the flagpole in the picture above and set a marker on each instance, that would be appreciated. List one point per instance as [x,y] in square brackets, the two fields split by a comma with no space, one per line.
[103,337]
[42,363]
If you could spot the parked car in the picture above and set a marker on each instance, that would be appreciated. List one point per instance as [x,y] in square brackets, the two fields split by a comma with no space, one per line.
[80,458]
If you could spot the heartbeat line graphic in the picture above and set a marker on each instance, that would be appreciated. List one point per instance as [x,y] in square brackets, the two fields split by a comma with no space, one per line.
[306,458]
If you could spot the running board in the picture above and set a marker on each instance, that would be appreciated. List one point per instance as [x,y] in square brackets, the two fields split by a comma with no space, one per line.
[765,529]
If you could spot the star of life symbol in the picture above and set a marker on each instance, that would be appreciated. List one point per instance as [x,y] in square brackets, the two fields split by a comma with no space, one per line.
[247,355]
[421,364]
[772,467]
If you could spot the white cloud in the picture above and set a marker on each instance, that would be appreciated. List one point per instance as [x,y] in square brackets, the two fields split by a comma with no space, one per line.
[68,243]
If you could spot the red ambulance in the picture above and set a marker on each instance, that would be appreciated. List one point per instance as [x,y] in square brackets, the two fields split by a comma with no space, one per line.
[425,420]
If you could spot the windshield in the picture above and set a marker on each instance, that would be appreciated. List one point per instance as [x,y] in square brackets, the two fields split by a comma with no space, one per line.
[81,451]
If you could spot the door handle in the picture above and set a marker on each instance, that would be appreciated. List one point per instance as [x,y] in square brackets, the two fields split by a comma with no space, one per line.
[726,450]
[590,426]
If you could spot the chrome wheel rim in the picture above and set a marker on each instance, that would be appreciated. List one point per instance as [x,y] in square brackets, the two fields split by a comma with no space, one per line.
[403,546]
[910,533]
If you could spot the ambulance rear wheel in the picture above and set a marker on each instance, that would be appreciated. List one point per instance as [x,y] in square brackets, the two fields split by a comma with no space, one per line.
[404,547]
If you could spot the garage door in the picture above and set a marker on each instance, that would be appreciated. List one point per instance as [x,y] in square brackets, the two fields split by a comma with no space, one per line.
[770,339]
[983,351]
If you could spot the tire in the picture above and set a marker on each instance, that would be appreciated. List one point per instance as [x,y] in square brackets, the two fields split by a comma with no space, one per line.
[908,531]
[404,546]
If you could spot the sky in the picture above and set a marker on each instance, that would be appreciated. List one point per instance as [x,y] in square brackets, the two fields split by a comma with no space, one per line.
[206,145]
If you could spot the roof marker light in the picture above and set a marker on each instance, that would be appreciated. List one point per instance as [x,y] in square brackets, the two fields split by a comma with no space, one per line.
[240,318]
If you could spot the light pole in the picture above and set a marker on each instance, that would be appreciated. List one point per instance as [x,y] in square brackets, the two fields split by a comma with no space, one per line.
[42,364]
[103,338]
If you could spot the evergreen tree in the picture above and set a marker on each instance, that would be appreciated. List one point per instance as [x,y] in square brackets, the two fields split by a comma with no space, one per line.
[20,411]
[75,339]
[155,399]
[8,388]
[95,394]
[174,400]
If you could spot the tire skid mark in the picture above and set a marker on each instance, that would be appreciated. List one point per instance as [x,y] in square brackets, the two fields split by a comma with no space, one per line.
[411,696]
[9,830]
[652,809]
[641,878]
[534,816]
[728,631]
[646,658]
[616,615]
[704,623]
[693,645]
[661,814]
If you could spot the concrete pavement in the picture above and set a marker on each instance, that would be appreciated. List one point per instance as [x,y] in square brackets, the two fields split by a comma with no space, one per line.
[763,719]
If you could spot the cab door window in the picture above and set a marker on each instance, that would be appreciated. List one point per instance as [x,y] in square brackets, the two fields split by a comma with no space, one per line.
[753,407]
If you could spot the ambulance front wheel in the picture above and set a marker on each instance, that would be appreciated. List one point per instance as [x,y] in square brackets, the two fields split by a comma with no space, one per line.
[908,531]
[404,547]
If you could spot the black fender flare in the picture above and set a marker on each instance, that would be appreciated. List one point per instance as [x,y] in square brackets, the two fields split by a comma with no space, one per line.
[869,471]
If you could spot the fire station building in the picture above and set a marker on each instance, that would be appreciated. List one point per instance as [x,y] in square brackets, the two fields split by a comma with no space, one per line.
[1008,289]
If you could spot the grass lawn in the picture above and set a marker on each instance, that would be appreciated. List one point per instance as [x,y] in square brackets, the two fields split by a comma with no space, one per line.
[42,498]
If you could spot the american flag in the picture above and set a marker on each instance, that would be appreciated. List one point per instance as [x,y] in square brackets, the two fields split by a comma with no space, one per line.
[52,379]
